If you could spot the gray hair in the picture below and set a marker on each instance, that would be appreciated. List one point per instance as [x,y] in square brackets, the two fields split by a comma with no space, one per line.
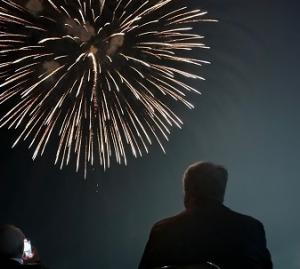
[204,181]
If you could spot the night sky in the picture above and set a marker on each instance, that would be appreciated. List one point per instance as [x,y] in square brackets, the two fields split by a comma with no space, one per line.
[247,119]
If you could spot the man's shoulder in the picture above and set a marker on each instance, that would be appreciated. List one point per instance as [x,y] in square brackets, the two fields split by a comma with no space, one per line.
[169,221]
[229,216]
[246,220]
[8,263]
[245,217]
[33,266]
[11,264]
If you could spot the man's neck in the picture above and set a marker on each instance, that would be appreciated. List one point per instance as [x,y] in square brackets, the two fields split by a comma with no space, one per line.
[203,203]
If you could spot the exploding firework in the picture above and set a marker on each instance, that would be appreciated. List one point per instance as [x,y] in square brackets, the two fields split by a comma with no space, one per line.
[101,76]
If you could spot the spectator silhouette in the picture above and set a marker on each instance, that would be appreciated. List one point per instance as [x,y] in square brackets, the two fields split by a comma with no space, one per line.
[207,231]
[12,250]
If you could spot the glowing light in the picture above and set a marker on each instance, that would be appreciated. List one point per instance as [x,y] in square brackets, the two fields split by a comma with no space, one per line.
[102,76]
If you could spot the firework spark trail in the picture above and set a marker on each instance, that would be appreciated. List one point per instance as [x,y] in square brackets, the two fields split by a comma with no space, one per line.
[101,75]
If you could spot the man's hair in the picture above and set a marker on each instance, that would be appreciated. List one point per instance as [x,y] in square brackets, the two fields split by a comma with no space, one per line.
[11,242]
[204,181]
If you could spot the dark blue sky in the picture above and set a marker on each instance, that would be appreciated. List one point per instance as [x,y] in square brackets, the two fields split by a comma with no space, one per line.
[247,119]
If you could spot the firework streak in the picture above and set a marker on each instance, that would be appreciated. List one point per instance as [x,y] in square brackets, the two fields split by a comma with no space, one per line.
[99,77]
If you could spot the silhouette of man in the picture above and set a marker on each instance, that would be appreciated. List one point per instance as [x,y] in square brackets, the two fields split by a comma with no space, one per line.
[12,250]
[207,231]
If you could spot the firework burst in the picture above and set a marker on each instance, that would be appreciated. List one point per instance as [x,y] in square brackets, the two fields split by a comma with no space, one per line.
[100,75]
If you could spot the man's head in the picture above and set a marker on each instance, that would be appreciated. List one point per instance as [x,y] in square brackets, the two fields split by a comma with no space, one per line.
[11,242]
[204,181]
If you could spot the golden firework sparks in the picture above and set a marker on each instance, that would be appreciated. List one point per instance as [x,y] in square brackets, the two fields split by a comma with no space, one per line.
[102,75]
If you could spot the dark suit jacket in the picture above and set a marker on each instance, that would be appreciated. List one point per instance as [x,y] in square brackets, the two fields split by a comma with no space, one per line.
[10,264]
[210,232]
